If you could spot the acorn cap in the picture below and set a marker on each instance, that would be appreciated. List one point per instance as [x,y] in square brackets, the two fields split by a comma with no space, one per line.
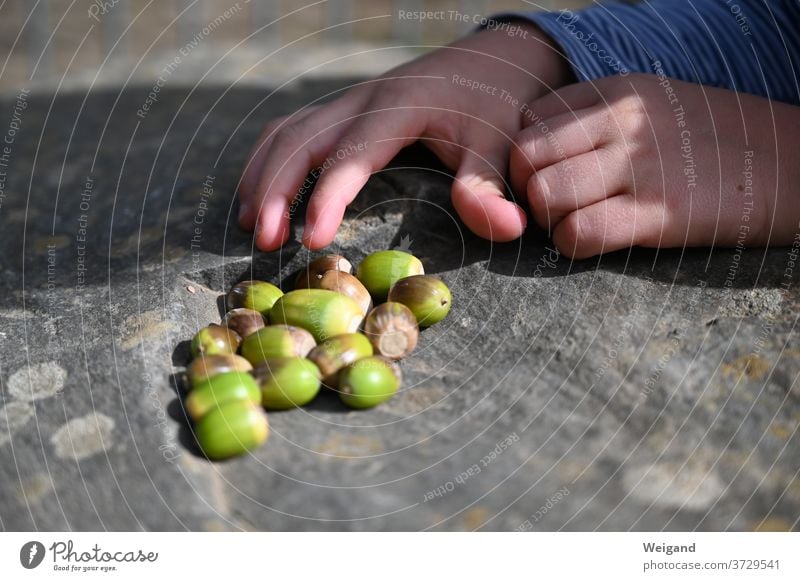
[392,329]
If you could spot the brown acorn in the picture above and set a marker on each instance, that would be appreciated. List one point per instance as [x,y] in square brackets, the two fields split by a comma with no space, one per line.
[210,365]
[244,321]
[215,340]
[253,294]
[333,354]
[345,284]
[319,266]
[427,296]
[392,329]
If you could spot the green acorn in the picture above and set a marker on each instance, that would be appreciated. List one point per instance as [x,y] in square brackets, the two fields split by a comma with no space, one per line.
[427,297]
[256,295]
[392,329]
[369,382]
[287,382]
[333,354]
[218,389]
[322,313]
[380,270]
[210,365]
[277,341]
[215,340]
[318,267]
[244,321]
[232,428]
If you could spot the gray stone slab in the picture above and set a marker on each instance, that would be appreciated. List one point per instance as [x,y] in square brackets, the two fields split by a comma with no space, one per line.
[644,390]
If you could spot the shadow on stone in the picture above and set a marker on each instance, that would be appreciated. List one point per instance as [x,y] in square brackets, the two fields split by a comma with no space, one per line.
[182,355]
[177,412]
[222,307]
[179,382]
[327,401]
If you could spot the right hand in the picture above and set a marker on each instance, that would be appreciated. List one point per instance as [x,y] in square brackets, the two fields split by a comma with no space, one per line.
[470,130]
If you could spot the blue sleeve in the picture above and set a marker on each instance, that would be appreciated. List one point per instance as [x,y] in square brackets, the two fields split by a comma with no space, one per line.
[751,46]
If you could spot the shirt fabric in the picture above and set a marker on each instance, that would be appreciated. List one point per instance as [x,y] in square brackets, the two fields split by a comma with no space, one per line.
[751,46]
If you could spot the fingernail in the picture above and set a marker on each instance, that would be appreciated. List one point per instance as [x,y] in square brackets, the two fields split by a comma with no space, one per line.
[306,238]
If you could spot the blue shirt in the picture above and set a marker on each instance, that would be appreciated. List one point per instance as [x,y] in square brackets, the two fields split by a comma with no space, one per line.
[751,46]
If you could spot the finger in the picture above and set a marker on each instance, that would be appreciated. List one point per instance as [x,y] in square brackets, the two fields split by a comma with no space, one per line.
[564,136]
[610,225]
[367,146]
[478,194]
[568,98]
[295,151]
[252,169]
[562,188]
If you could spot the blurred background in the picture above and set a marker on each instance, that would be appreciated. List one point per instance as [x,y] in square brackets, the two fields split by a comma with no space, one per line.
[75,44]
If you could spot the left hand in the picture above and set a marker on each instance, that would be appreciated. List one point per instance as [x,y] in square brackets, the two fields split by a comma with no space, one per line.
[656,162]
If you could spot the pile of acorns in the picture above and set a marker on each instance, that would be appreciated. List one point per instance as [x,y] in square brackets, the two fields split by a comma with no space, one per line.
[290,345]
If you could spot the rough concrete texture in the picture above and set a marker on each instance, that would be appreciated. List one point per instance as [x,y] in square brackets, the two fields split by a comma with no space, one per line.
[644,390]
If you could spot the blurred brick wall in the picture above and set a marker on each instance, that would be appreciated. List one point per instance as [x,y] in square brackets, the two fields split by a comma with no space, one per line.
[89,42]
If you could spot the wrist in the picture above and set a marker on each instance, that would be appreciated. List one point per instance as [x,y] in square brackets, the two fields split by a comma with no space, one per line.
[524,44]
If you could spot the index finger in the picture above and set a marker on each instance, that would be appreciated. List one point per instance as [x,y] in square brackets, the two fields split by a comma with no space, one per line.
[366,146]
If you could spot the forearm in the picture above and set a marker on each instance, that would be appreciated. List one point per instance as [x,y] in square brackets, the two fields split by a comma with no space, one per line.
[524,51]
[780,139]
[534,51]
[752,47]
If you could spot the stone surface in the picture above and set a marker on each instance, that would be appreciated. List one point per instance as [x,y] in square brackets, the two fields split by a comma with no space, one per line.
[644,390]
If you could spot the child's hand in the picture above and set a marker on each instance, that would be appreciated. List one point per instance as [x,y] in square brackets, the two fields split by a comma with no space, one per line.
[643,160]
[469,129]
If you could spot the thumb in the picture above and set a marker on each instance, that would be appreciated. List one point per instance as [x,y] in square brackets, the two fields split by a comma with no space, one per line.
[478,195]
